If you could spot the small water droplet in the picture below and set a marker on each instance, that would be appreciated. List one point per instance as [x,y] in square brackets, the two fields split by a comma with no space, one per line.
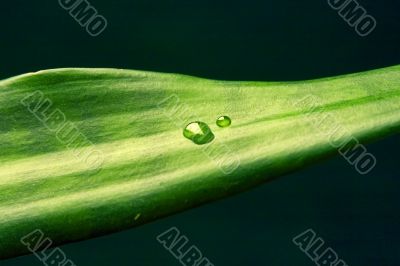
[198,132]
[224,121]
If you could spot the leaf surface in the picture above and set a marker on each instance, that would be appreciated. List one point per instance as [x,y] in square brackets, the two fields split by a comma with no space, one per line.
[104,149]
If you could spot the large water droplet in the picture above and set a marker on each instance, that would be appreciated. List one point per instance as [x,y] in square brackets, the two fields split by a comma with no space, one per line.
[198,132]
[224,121]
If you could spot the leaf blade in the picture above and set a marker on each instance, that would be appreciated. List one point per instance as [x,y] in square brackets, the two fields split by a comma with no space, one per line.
[150,168]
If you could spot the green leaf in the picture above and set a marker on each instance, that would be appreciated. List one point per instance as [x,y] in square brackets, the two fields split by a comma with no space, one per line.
[86,152]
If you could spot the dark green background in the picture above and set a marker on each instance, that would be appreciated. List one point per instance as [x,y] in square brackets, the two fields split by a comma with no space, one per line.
[358,216]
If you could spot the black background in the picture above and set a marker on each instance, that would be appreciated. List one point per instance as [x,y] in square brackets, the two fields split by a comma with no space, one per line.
[358,216]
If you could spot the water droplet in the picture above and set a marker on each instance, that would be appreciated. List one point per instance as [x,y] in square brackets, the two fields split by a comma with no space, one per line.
[198,132]
[224,121]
